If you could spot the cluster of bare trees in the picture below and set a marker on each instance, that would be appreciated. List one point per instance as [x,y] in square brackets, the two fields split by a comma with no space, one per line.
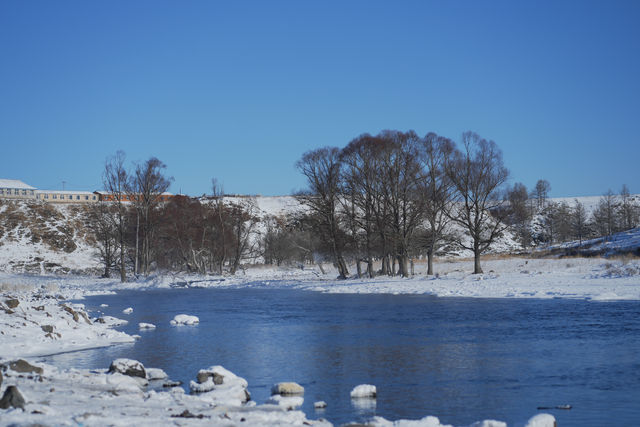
[534,219]
[613,213]
[390,198]
[137,231]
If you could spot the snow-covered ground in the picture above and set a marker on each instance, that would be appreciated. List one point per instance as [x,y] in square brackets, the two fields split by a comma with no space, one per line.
[36,320]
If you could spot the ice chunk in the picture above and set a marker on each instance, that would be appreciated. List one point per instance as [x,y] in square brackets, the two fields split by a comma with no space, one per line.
[185,319]
[146,326]
[128,310]
[364,390]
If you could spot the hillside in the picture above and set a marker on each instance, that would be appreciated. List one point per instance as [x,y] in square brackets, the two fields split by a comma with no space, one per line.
[39,238]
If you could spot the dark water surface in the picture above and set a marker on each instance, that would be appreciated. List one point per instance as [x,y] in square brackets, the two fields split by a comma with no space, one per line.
[462,360]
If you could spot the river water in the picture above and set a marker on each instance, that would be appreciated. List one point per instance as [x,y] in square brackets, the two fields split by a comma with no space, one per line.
[462,360]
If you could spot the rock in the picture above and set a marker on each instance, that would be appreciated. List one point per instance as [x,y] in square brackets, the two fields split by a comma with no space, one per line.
[156,374]
[12,398]
[287,388]
[101,320]
[320,405]
[12,302]
[169,384]
[203,376]
[47,328]
[76,314]
[39,308]
[128,367]
[364,390]
[25,367]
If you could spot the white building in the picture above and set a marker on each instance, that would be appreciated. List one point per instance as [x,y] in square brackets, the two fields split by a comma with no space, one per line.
[16,189]
[57,196]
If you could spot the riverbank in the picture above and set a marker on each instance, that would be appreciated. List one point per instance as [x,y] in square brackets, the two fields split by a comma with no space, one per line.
[36,318]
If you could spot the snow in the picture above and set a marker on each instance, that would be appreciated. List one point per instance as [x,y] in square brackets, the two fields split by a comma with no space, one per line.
[364,391]
[128,310]
[143,325]
[541,420]
[185,319]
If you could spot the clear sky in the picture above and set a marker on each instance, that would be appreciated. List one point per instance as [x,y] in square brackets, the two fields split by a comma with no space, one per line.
[239,90]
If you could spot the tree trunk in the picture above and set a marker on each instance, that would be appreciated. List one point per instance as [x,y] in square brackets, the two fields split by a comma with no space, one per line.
[136,267]
[359,268]
[370,271]
[476,262]
[430,263]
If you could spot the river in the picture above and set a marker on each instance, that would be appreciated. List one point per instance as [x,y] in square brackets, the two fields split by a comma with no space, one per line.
[462,360]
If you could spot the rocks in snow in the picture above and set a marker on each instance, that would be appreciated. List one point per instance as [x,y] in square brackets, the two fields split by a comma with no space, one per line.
[12,303]
[320,404]
[128,310]
[289,402]
[128,367]
[77,314]
[146,326]
[156,374]
[364,391]
[12,398]
[219,381]
[24,367]
[287,388]
[185,319]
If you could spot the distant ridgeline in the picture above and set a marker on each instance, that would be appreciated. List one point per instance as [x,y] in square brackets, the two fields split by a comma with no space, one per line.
[13,189]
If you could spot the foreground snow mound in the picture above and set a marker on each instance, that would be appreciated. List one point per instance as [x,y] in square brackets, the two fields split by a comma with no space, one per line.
[220,384]
[36,324]
[430,421]
[83,397]
[286,402]
[185,319]
[364,391]
[541,420]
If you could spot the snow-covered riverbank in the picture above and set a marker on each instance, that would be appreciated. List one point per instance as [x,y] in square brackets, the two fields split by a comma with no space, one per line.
[37,319]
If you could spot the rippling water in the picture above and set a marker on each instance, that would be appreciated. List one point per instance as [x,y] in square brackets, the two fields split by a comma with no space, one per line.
[462,360]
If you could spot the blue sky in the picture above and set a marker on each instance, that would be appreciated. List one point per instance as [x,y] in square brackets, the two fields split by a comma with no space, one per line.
[239,90]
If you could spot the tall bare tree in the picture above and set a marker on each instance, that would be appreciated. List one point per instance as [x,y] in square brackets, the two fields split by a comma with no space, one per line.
[542,192]
[321,167]
[436,192]
[114,179]
[604,215]
[104,228]
[628,211]
[579,220]
[478,174]
[146,187]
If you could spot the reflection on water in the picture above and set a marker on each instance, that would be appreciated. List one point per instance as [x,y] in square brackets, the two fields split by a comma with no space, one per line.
[462,360]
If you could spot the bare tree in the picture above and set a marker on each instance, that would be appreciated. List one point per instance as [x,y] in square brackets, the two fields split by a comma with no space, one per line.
[542,192]
[436,192]
[104,228]
[321,167]
[579,220]
[478,174]
[244,220]
[218,223]
[604,215]
[114,179]
[519,213]
[628,211]
[146,188]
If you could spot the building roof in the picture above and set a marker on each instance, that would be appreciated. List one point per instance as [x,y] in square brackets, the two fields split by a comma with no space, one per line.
[15,183]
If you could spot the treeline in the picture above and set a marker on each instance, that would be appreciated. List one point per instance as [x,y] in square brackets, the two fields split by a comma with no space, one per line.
[396,196]
[378,203]
[392,197]
[137,233]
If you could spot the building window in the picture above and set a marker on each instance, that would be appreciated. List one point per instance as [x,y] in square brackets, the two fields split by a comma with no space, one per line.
[94,197]
[55,196]
[46,196]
